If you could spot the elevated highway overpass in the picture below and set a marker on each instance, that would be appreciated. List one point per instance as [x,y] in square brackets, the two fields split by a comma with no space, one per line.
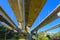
[52,16]
[5,18]
[18,9]
[26,11]
[54,27]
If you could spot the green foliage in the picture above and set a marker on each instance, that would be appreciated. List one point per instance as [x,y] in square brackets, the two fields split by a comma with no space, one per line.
[57,34]
[41,36]
[21,39]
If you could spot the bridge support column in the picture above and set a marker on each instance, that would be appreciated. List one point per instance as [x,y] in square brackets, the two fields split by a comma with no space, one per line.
[20,26]
[36,35]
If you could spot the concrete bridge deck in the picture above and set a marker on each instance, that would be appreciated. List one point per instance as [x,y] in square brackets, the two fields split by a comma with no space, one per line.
[30,12]
[5,18]
[52,16]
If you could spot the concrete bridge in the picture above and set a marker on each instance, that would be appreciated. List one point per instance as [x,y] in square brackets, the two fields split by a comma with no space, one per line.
[52,16]
[54,27]
[26,11]
[5,18]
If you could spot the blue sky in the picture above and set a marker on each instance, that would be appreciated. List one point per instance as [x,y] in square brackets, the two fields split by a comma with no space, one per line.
[48,7]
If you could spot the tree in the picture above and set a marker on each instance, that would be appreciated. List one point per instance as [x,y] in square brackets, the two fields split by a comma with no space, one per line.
[41,36]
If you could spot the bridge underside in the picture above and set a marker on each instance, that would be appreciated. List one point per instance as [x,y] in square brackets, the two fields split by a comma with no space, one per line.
[5,18]
[54,27]
[31,8]
[52,16]
[5,21]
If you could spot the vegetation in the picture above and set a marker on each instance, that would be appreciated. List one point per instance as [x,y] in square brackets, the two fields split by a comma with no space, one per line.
[22,35]
[41,36]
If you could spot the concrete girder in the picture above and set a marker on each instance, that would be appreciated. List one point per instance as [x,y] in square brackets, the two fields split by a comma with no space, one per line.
[52,16]
[5,18]
[31,8]
[8,27]
[18,9]
[54,27]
